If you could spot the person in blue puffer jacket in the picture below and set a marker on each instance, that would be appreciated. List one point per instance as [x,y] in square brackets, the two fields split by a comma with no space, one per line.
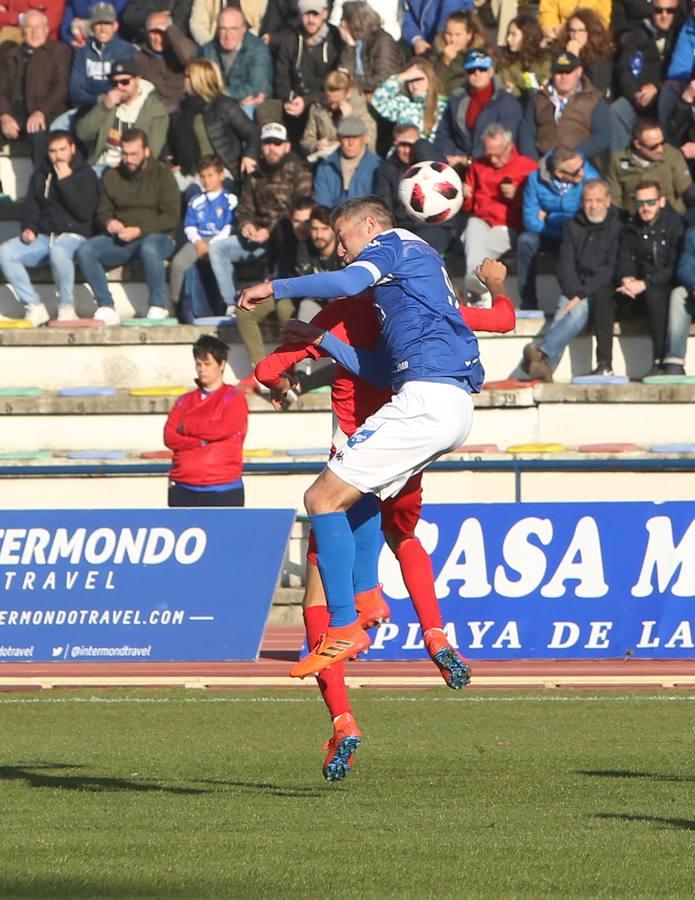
[349,171]
[552,196]
[423,20]
[91,64]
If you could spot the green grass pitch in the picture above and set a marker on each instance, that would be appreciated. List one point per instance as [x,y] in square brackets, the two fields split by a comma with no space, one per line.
[175,794]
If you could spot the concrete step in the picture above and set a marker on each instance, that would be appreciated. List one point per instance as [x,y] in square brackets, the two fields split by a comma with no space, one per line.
[571,414]
[136,357]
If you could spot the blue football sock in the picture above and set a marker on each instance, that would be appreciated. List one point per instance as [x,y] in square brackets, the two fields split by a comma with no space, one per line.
[365,520]
[335,554]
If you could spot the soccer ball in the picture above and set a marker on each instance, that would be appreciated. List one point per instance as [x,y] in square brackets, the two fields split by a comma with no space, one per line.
[431,192]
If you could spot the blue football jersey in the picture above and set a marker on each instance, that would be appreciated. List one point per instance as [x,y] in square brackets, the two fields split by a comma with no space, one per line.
[422,326]
[209,214]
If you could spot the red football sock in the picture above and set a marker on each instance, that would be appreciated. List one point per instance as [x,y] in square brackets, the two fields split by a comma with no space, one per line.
[331,681]
[418,575]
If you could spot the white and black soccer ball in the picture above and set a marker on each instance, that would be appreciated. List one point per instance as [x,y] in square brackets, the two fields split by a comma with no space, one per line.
[431,192]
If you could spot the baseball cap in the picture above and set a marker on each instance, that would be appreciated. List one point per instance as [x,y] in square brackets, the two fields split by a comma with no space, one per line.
[102,12]
[477,59]
[274,132]
[306,6]
[565,62]
[123,67]
[351,126]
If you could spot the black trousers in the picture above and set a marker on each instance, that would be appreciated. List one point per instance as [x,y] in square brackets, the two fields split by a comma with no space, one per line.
[182,496]
[604,303]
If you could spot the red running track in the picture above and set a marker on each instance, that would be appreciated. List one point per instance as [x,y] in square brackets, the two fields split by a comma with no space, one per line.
[281,647]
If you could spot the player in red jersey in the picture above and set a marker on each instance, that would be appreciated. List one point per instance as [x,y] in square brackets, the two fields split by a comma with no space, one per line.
[355,321]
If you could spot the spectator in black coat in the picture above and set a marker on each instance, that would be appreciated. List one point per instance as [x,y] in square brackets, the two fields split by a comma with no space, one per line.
[304,58]
[409,149]
[210,121]
[644,55]
[680,125]
[57,216]
[369,53]
[649,249]
[586,274]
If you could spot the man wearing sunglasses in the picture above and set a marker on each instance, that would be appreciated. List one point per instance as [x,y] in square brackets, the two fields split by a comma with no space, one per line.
[131,103]
[645,53]
[648,157]
[650,245]
[481,102]
[552,195]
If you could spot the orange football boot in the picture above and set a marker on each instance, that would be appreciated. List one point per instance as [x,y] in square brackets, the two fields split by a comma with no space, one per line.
[372,609]
[336,644]
[451,664]
[345,741]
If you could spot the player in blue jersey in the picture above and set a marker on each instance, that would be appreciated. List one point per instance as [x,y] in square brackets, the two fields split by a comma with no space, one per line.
[434,367]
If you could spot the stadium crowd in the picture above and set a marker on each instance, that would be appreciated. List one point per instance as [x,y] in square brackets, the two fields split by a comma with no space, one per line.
[213,135]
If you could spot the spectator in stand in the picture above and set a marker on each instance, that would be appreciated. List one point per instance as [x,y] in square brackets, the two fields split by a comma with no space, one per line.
[305,57]
[163,59]
[340,99]
[78,21]
[209,121]
[644,55]
[139,210]
[680,126]
[681,311]
[648,157]
[423,20]
[244,60]
[681,66]
[628,15]
[135,14]
[481,102]
[409,149]
[90,75]
[209,218]
[305,244]
[206,431]
[553,14]
[552,196]
[284,240]
[493,195]
[269,21]
[569,110]
[131,103]
[11,17]
[413,96]
[278,16]
[369,54]
[33,85]
[463,31]
[266,196]
[586,273]
[649,249]
[391,12]
[349,171]
[524,62]
[57,215]
[586,37]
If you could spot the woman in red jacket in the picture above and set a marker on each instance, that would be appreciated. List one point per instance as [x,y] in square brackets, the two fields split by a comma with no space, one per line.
[206,431]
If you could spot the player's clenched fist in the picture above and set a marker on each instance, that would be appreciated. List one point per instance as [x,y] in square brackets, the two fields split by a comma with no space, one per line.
[491,270]
[255,294]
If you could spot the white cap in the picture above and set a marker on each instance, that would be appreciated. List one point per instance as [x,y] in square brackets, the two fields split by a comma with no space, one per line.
[275,132]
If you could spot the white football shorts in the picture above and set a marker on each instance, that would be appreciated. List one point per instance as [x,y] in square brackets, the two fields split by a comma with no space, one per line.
[421,422]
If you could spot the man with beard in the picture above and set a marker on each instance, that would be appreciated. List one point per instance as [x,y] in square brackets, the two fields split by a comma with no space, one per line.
[138,212]
[586,273]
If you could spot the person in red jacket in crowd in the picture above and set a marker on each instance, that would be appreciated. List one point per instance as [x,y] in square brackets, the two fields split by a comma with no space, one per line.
[493,195]
[353,400]
[206,431]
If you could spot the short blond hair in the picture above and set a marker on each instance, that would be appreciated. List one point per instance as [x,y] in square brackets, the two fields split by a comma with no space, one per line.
[337,81]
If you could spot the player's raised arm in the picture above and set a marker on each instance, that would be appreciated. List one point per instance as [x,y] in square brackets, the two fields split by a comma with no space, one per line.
[502,317]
